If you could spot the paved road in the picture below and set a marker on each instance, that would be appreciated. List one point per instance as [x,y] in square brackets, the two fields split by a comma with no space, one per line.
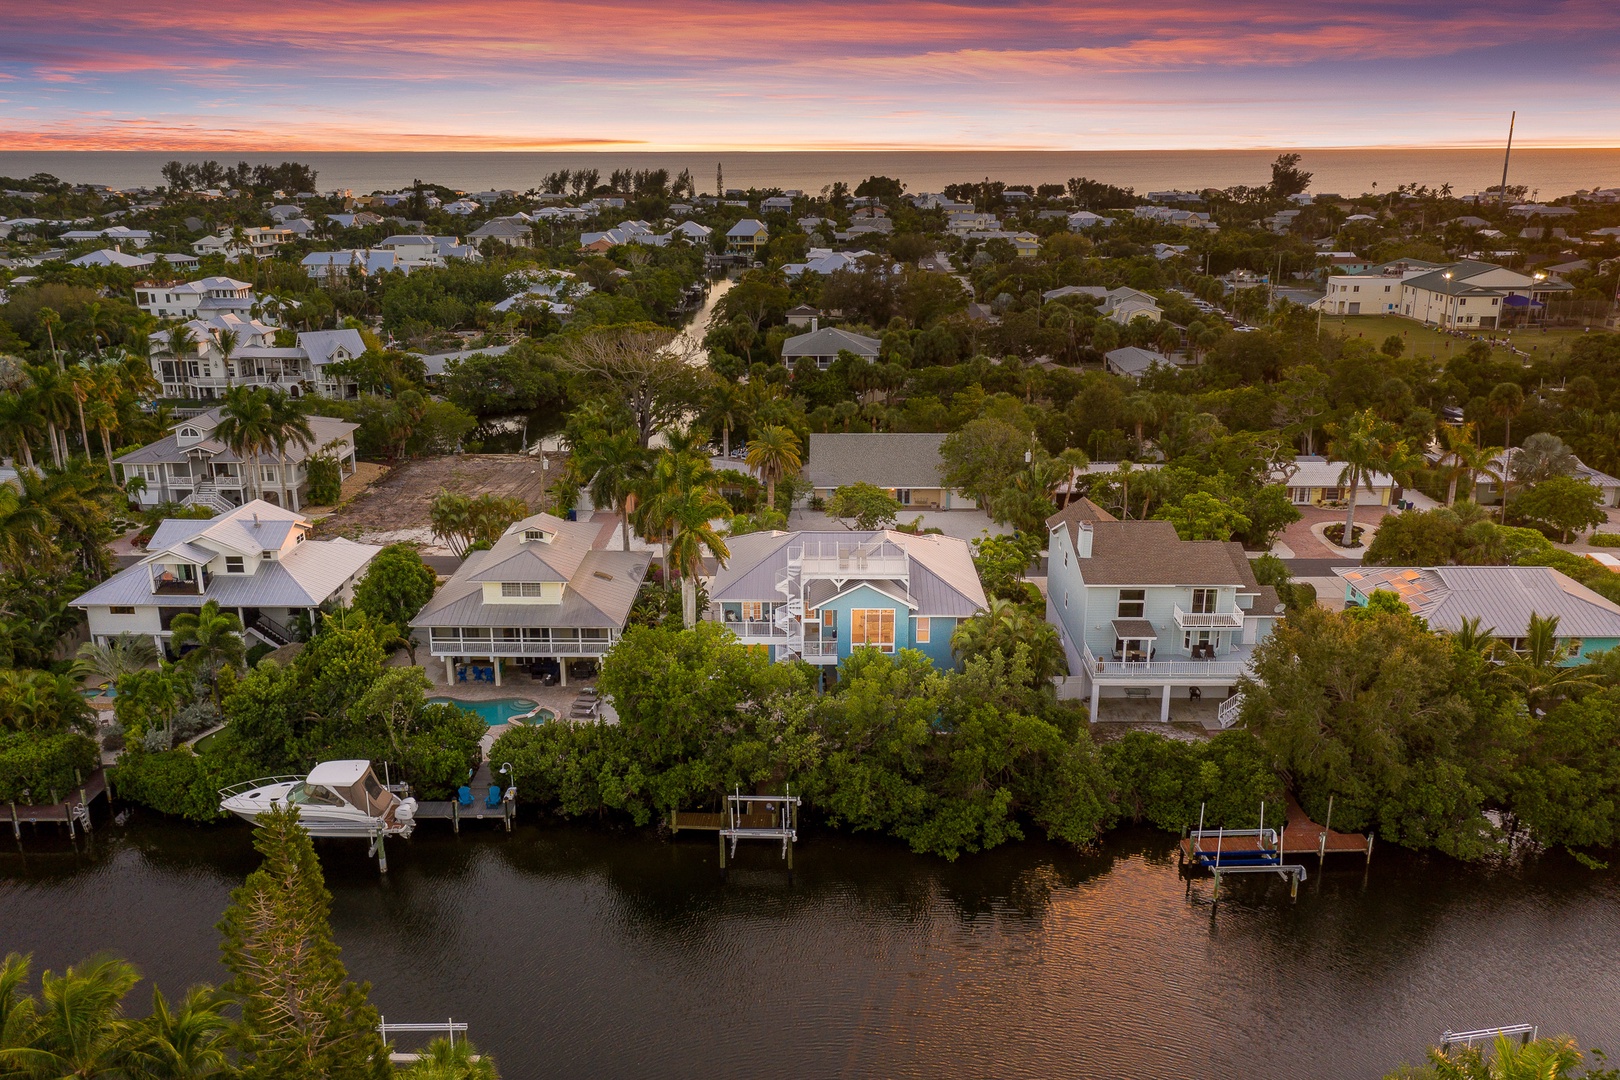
[1316,567]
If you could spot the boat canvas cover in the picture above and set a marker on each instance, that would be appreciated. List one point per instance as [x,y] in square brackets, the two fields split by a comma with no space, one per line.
[354,780]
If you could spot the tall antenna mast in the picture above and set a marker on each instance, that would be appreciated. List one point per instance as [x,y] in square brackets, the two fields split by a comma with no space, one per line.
[1501,195]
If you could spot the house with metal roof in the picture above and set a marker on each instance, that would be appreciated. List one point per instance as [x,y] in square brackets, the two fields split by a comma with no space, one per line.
[1314,481]
[818,596]
[542,596]
[1143,613]
[1120,305]
[747,237]
[1472,295]
[510,231]
[1133,362]
[192,467]
[905,464]
[1502,598]
[197,299]
[822,347]
[256,561]
[1488,492]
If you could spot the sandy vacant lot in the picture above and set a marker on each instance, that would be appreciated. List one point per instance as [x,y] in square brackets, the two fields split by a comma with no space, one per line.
[396,508]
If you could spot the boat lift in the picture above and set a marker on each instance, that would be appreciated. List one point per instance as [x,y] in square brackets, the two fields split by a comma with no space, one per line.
[1526,1033]
[448,1027]
[1242,851]
[784,813]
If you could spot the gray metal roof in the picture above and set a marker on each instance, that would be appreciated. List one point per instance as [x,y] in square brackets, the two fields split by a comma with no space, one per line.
[516,559]
[1502,598]
[889,460]
[326,429]
[305,577]
[828,341]
[600,596]
[1135,362]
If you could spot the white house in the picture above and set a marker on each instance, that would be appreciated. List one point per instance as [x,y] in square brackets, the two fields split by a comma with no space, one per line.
[255,561]
[1474,295]
[1120,305]
[1142,613]
[191,467]
[823,346]
[543,595]
[196,299]
[1374,291]
[259,241]
[1313,481]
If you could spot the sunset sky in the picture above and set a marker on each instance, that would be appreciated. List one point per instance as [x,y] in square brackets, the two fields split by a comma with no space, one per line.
[791,74]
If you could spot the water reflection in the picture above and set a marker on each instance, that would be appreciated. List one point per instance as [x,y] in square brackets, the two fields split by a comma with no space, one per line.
[603,953]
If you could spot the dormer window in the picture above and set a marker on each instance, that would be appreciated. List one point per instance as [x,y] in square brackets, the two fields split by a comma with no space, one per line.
[190,433]
[536,536]
[233,564]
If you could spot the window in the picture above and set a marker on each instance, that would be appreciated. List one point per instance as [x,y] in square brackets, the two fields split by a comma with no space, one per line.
[233,564]
[753,610]
[267,556]
[267,473]
[924,630]
[873,627]
[120,611]
[532,535]
[903,496]
[523,588]
[829,619]
[1132,603]
[1203,601]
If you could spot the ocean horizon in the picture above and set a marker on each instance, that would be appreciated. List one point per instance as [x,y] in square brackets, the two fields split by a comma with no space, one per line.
[1548,173]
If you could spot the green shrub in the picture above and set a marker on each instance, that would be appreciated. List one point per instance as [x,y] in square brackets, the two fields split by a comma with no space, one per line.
[44,765]
[325,480]
[1164,781]
[180,782]
[1598,539]
[259,652]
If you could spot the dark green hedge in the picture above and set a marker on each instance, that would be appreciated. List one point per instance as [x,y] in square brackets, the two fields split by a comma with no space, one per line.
[42,764]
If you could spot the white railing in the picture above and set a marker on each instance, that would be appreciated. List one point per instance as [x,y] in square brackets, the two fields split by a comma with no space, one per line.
[1230,710]
[1209,620]
[753,628]
[1160,670]
[505,647]
[849,558]
[814,649]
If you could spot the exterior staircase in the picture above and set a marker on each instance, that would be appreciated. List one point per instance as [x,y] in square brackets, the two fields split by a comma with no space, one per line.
[206,494]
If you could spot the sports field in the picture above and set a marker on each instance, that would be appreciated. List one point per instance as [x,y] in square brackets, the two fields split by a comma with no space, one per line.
[1427,341]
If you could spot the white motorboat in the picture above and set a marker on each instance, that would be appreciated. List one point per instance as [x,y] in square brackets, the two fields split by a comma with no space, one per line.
[337,798]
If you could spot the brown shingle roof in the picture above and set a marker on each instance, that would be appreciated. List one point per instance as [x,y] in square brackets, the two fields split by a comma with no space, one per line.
[1150,553]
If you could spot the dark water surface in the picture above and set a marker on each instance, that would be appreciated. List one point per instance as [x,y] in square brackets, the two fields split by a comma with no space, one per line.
[582,953]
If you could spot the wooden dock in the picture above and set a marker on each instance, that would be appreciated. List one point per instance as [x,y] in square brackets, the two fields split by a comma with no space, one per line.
[452,811]
[702,821]
[1302,836]
[75,808]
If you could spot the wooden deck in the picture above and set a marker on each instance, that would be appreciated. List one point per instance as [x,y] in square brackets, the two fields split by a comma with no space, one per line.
[1302,836]
[705,822]
[66,811]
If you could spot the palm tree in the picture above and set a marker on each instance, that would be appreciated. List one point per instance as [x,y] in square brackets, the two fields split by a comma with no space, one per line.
[612,462]
[118,657]
[1506,401]
[724,410]
[79,386]
[1454,443]
[288,425]
[76,1028]
[1470,638]
[184,1043]
[53,397]
[90,318]
[21,421]
[227,340]
[775,453]
[1537,672]
[1365,445]
[444,1061]
[71,500]
[245,426]
[680,504]
[216,637]
[25,528]
[1002,629]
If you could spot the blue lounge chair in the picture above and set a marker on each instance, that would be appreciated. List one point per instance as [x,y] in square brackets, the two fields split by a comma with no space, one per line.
[461,673]
[464,795]
[494,798]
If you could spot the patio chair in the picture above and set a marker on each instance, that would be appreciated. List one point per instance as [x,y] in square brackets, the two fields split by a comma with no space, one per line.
[493,799]
[464,795]
[461,673]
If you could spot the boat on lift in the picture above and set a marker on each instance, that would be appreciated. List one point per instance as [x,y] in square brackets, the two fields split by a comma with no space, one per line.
[337,798]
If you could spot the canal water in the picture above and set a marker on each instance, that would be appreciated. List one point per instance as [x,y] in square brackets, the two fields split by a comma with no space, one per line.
[580,952]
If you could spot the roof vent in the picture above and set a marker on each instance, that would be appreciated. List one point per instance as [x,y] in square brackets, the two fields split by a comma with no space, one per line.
[255,519]
[604,575]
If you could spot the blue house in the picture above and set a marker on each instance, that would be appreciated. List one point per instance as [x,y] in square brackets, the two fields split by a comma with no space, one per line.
[1145,614]
[818,596]
[1502,598]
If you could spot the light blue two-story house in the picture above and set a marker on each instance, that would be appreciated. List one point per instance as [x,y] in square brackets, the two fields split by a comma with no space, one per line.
[1502,598]
[818,596]
[1145,614]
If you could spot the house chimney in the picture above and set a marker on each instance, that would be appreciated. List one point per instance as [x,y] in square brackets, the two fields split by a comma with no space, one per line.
[1082,540]
[255,519]
[815,323]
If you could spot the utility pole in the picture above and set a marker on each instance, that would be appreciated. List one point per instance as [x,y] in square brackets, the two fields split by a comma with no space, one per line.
[1501,195]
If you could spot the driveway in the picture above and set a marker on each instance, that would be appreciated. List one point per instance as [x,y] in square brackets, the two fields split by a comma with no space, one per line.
[1303,538]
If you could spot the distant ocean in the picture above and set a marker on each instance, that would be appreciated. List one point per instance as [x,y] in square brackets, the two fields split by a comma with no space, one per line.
[1549,173]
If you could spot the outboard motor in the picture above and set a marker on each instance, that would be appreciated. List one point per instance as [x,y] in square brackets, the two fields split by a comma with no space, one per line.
[405,815]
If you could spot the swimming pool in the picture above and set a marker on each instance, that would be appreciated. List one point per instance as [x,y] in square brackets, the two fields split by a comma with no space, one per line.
[499,711]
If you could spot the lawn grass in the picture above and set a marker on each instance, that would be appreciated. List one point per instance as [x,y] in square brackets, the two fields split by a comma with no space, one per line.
[1427,341]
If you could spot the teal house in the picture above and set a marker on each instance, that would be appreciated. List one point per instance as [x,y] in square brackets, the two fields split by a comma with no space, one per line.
[818,596]
[1502,598]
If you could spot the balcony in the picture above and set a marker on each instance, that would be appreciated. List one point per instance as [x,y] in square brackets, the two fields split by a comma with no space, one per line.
[842,560]
[756,630]
[441,644]
[1174,669]
[1209,620]
[820,652]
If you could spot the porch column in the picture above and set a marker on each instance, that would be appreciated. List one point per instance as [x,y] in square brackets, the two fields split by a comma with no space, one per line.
[157,640]
[1096,695]
[495,662]
[562,670]
[450,671]
[1164,705]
